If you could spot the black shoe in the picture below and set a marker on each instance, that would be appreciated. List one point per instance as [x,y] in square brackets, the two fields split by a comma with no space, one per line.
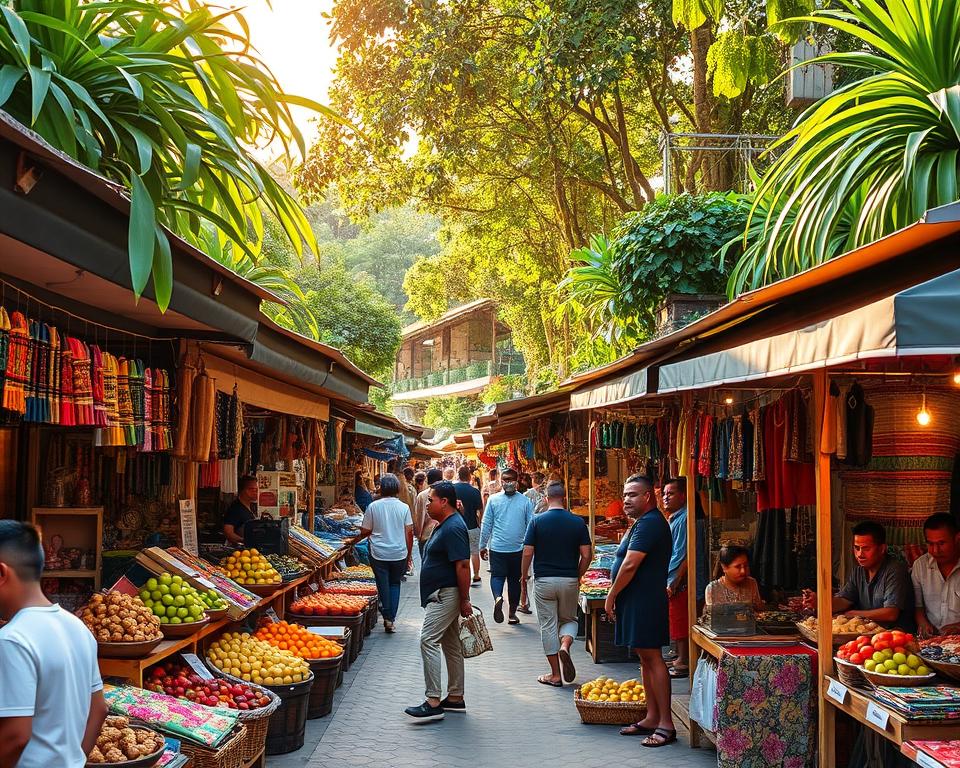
[513,619]
[498,610]
[425,713]
[453,706]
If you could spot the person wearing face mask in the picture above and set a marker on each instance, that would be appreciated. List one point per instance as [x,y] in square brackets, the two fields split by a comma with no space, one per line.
[505,522]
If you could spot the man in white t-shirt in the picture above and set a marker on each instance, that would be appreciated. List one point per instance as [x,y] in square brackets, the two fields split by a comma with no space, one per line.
[388,523]
[51,694]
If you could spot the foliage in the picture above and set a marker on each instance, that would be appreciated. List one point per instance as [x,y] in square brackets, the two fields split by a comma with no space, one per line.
[872,156]
[452,413]
[503,388]
[166,98]
[669,247]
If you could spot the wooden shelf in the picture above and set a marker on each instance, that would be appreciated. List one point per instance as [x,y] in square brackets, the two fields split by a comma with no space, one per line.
[898,728]
[74,574]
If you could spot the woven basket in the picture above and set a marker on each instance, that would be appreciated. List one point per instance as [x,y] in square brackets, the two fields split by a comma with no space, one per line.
[838,639]
[609,712]
[876,679]
[255,720]
[850,674]
[229,755]
[951,671]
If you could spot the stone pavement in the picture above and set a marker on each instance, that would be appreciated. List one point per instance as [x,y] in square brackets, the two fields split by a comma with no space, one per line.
[510,720]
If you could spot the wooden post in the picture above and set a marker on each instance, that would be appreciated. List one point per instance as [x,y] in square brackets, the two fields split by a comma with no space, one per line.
[591,492]
[827,714]
[493,342]
[692,554]
[311,491]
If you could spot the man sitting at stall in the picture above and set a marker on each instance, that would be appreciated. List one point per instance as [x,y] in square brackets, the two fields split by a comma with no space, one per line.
[879,587]
[936,578]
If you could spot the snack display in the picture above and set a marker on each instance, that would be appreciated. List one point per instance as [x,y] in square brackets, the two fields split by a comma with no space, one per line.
[944,649]
[326,604]
[119,743]
[256,661]
[120,618]
[349,588]
[173,600]
[288,567]
[248,566]
[298,640]
[178,680]
[607,689]
[845,625]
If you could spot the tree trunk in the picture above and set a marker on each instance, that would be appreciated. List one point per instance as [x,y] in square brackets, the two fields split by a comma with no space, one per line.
[703,101]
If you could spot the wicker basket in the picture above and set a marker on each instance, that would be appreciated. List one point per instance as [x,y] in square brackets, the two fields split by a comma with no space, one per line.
[876,679]
[850,674]
[229,754]
[951,671]
[609,712]
[838,639]
[356,625]
[255,720]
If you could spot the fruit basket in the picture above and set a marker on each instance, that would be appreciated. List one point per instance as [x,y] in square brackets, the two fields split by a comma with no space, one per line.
[877,679]
[942,653]
[849,673]
[216,614]
[116,745]
[228,755]
[609,712]
[809,633]
[175,631]
[130,650]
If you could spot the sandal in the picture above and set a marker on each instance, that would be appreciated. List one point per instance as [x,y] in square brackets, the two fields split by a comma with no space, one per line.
[660,738]
[637,730]
[568,672]
[678,673]
[545,680]
[513,620]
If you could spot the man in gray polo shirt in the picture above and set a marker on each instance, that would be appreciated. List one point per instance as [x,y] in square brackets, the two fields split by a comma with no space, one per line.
[879,587]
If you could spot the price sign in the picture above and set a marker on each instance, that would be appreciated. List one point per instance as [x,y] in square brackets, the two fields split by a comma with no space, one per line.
[188,527]
[197,666]
[328,631]
[924,760]
[272,615]
[838,692]
[314,587]
[878,716]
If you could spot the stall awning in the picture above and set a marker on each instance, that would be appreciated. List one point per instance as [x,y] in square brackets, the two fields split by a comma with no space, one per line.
[363,428]
[922,320]
[619,390]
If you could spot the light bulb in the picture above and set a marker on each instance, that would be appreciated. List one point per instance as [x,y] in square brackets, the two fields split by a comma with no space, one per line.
[728,400]
[923,417]
[956,377]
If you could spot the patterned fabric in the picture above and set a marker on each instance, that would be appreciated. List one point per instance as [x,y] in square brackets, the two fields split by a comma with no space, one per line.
[146,444]
[736,448]
[4,348]
[53,376]
[207,726]
[18,364]
[88,384]
[111,433]
[765,711]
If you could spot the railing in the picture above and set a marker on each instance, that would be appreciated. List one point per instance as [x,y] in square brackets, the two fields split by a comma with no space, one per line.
[507,365]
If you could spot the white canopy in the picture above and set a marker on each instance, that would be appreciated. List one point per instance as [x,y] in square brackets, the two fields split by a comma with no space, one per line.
[619,390]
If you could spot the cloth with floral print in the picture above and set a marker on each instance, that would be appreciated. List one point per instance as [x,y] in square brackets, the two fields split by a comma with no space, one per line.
[765,711]
[206,726]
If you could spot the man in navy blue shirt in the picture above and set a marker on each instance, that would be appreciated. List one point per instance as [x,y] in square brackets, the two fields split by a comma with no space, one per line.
[471,509]
[445,596]
[558,544]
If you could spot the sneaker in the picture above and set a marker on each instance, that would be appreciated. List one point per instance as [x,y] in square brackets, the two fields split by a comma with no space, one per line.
[425,713]
[453,706]
[498,610]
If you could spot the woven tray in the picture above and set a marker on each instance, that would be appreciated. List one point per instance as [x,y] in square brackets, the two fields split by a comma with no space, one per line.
[127,650]
[141,762]
[876,679]
[229,755]
[850,674]
[951,671]
[609,712]
[838,639]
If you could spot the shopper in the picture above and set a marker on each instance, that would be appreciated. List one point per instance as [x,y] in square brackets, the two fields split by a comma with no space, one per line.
[675,505]
[471,508]
[51,695]
[445,596]
[504,526]
[389,524]
[423,524]
[419,483]
[637,601]
[492,486]
[558,544]
[407,496]
[240,512]
[361,490]
[537,492]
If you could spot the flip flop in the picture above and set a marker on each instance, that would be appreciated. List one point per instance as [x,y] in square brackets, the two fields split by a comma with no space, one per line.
[498,610]
[513,620]
[637,730]
[678,673]
[544,681]
[568,672]
[662,736]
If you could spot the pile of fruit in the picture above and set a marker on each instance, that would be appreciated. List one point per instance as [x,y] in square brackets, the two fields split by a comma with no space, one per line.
[178,680]
[944,649]
[288,567]
[256,661]
[173,600]
[846,625]
[606,689]
[119,743]
[359,572]
[887,653]
[248,566]
[325,604]
[298,640]
[212,600]
[119,618]
[341,587]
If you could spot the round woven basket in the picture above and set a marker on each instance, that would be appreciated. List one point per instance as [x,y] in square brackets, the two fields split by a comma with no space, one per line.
[255,720]
[228,755]
[127,650]
[838,639]
[850,674]
[876,679]
[951,671]
[609,712]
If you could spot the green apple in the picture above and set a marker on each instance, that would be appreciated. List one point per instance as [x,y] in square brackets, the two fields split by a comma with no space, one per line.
[165,579]
[167,599]
[176,589]
[878,657]
[151,584]
[913,661]
[164,620]
[171,611]
[182,613]
[923,670]
[144,594]
[903,669]
[176,620]
[177,579]
[179,600]
[900,658]
[869,664]
[156,595]
[889,665]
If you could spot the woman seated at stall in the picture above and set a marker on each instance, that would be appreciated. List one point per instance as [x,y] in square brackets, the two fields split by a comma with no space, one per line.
[736,585]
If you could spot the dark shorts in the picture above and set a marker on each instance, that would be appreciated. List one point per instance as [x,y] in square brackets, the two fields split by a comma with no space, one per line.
[506,564]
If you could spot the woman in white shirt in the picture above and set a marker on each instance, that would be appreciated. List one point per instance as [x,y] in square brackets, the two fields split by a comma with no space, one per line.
[388,524]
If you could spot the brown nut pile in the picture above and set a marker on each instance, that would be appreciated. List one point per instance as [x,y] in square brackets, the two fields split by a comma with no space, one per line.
[119,743]
[119,618]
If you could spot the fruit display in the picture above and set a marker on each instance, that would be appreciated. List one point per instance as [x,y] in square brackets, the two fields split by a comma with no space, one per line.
[356,572]
[350,588]
[248,566]
[846,625]
[212,600]
[944,649]
[173,600]
[120,618]
[119,743]
[178,680]
[326,604]
[887,653]
[298,640]
[288,567]
[607,689]
[256,661]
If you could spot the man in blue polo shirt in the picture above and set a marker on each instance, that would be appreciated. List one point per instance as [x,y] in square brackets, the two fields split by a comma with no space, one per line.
[505,522]
[558,544]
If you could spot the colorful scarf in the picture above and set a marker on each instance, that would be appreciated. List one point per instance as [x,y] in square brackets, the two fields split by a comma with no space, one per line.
[53,376]
[18,364]
[148,394]
[4,348]
[87,383]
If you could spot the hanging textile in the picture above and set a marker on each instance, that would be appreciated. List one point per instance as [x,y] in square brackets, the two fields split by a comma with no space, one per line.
[705,445]
[841,420]
[860,418]
[787,483]
[320,439]
[89,407]
[4,348]
[185,380]
[18,364]
[736,448]
[126,432]
[138,401]
[53,376]
[202,406]
[161,411]
[759,463]
[37,360]
[146,442]
[683,444]
[828,426]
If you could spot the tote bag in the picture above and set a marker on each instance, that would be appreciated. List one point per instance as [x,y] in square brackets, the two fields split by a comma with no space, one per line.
[474,637]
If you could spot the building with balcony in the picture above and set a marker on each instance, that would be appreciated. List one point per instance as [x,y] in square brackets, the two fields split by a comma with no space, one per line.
[457,355]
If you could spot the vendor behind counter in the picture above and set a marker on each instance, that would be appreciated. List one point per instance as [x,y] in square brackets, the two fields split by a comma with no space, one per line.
[240,511]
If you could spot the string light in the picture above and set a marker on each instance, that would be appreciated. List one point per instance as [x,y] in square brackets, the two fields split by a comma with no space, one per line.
[728,400]
[923,415]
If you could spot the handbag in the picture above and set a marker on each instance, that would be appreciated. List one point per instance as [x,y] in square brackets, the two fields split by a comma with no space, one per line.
[474,637]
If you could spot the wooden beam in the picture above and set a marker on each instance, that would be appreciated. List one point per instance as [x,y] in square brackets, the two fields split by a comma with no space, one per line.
[827,714]
[691,490]
[311,491]
[591,493]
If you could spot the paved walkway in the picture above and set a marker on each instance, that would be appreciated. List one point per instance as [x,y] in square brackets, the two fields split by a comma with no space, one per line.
[511,719]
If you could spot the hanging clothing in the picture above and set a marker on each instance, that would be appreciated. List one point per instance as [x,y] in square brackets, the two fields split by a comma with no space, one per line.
[18,365]
[787,483]
[828,427]
[860,418]
[683,445]
[89,406]
[705,446]
[736,448]
[185,379]
[841,419]
[759,451]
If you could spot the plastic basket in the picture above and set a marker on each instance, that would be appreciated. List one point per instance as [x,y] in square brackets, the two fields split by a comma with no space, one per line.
[285,732]
[325,674]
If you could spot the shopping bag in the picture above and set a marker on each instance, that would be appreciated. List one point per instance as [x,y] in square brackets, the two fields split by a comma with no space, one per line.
[703,694]
[474,637]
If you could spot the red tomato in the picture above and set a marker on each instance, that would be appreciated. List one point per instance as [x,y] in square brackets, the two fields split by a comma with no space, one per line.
[883,636]
[880,645]
[856,659]
[863,640]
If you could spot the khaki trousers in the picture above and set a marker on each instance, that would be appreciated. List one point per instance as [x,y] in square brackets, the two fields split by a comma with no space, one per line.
[556,600]
[441,630]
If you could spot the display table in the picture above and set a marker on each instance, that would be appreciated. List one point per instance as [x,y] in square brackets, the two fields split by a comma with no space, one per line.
[599,633]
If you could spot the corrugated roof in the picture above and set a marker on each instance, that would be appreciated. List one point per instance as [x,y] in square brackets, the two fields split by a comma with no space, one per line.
[464,309]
